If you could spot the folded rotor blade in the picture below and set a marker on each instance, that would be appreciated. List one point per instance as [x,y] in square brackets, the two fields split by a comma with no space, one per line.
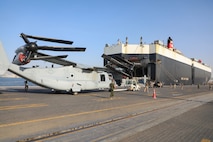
[52,48]
[50,39]
[48,57]
[24,38]
[58,61]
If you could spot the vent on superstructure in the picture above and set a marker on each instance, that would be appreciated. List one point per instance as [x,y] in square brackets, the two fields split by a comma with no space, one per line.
[106,45]
[158,42]
[141,41]
[126,41]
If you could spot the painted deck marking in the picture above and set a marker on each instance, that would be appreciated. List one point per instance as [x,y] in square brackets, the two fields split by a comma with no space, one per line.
[22,106]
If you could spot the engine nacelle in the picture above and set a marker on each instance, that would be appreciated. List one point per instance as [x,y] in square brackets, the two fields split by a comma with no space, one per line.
[21,49]
[20,59]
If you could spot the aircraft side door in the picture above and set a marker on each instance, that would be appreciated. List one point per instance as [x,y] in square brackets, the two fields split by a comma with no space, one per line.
[103,81]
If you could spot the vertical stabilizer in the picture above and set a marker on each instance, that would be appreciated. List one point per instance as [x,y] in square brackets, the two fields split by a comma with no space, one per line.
[4,62]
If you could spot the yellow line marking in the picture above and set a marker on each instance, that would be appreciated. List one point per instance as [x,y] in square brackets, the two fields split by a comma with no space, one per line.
[8,94]
[87,95]
[13,99]
[205,140]
[72,115]
[174,92]
[22,106]
[149,95]
[108,99]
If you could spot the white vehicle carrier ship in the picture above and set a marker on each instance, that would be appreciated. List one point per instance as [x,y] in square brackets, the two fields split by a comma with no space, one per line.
[156,61]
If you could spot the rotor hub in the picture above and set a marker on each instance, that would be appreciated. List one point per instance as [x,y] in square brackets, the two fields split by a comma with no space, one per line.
[32,46]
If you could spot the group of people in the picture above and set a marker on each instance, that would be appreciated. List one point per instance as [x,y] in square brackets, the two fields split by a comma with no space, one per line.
[112,87]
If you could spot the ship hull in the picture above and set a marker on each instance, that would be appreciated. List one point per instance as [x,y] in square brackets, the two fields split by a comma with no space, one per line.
[170,71]
[160,68]
[160,64]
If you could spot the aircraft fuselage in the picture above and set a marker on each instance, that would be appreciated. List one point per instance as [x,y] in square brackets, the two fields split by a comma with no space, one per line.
[66,78]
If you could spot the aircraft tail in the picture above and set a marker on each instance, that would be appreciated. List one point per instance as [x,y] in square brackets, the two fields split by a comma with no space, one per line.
[4,62]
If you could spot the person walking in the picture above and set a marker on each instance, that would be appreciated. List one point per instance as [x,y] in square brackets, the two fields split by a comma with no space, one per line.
[111,89]
[146,88]
[26,86]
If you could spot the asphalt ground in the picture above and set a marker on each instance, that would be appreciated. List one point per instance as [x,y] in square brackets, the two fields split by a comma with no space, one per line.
[40,115]
[195,125]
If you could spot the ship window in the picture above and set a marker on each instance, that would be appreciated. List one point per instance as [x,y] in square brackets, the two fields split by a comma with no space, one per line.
[102,77]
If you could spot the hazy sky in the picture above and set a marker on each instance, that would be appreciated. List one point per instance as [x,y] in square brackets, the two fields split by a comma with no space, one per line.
[93,23]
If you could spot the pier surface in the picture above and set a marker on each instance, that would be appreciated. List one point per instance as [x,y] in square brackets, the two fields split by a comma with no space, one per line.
[177,114]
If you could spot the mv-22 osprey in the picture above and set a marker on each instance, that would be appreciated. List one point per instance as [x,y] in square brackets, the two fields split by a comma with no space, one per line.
[70,76]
